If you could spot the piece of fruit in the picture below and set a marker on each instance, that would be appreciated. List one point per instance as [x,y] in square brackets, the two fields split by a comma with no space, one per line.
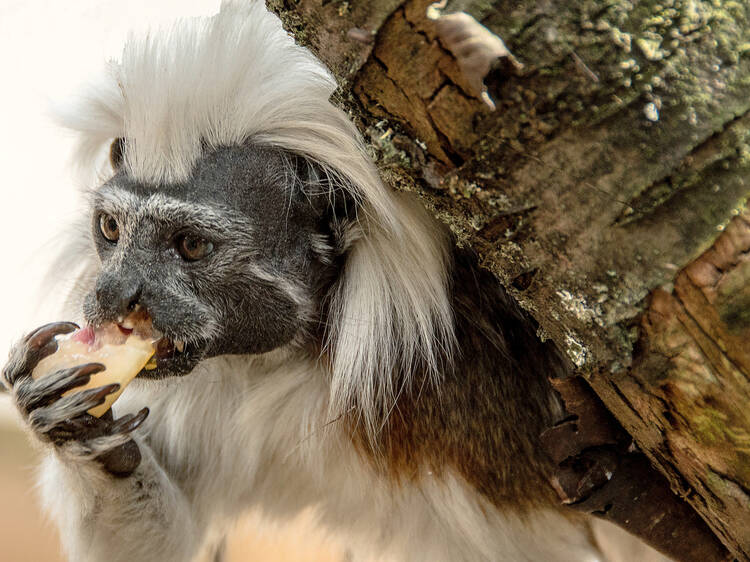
[123,355]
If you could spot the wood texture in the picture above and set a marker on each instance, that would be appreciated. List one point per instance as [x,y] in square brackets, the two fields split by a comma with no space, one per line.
[686,397]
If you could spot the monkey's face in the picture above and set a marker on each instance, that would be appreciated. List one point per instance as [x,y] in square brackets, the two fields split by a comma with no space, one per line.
[236,260]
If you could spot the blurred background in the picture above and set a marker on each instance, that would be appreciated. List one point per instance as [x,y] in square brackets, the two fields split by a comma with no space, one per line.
[47,48]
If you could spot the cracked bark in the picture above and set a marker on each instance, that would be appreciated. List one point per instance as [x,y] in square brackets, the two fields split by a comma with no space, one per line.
[607,193]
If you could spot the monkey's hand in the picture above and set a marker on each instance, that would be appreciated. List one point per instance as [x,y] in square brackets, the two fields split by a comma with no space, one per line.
[62,420]
[144,517]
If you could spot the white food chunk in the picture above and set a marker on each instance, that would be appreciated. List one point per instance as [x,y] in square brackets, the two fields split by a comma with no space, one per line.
[123,361]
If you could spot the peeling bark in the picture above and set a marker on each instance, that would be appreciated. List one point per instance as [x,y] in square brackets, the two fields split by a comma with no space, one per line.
[686,397]
[607,192]
[601,473]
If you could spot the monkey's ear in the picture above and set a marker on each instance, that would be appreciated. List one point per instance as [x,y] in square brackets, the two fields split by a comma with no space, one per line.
[116,150]
[332,201]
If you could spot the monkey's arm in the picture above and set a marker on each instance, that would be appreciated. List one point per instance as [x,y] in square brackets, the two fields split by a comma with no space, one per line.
[101,482]
[143,517]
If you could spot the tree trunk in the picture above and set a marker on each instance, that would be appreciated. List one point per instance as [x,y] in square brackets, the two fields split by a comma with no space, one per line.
[607,193]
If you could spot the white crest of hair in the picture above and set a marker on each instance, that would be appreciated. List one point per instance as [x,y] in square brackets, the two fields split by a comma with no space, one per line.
[238,77]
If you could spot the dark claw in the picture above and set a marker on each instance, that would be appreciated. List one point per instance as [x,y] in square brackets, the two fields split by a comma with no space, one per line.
[41,336]
[82,375]
[99,394]
[68,407]
[35,347]
[50,388]
[129,423]
[83,401]
[37,354]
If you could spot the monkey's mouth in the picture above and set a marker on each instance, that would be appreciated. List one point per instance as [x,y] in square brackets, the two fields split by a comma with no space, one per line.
[173,357]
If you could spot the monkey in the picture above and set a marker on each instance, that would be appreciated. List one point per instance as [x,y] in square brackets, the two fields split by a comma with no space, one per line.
[324,342]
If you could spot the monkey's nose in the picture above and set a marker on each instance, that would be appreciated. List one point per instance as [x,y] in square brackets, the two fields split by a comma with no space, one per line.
[133,304]
[132,311]
[118,296]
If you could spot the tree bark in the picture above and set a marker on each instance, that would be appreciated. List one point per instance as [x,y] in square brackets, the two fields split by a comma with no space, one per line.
[607,193]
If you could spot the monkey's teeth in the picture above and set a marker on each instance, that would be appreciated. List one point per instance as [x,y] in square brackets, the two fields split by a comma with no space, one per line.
[128,324]
[179,345]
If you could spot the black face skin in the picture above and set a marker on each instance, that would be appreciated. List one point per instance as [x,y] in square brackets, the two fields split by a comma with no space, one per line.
[270,228]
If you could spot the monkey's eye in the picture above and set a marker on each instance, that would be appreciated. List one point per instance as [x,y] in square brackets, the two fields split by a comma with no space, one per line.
[193,248]
[109,227]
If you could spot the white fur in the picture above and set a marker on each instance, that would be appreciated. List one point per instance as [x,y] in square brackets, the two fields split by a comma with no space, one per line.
[239,77]
[235,435]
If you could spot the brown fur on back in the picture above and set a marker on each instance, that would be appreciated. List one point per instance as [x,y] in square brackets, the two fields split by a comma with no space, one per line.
[484,418]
